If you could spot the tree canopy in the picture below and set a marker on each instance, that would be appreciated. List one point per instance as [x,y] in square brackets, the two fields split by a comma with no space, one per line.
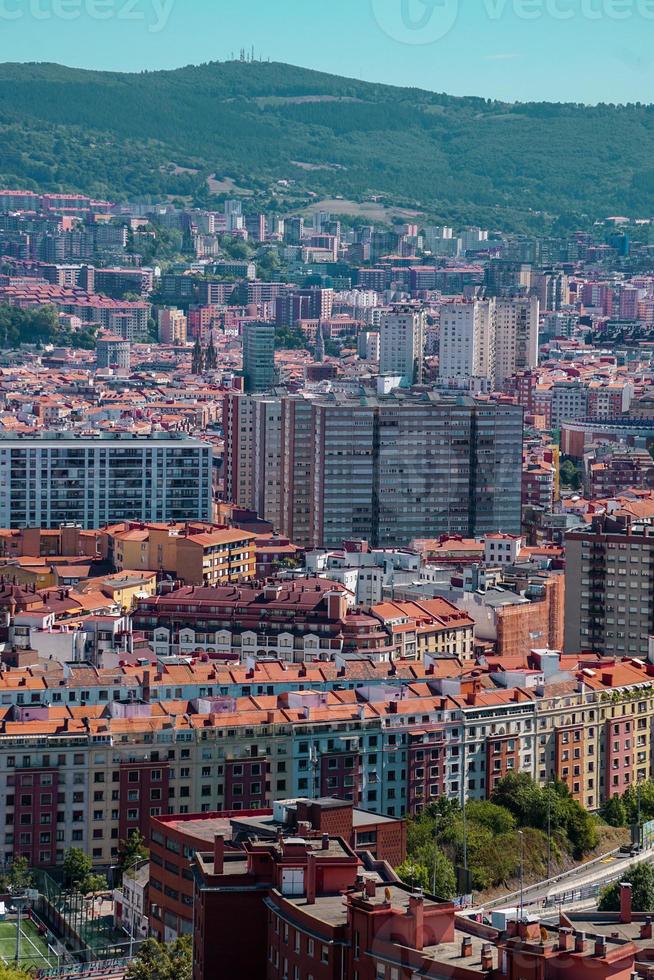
[131,851]
[163,961]
[460,159]
[641,877]
[39,325]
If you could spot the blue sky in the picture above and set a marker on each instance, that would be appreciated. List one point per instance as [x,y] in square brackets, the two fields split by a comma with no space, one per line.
[577,50]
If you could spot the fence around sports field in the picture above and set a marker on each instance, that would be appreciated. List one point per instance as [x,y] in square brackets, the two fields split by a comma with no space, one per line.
[80,921]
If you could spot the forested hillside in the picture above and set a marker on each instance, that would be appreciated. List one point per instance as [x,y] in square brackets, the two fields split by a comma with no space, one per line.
[158,133]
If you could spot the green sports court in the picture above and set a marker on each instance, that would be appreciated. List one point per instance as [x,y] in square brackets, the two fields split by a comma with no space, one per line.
[34,951]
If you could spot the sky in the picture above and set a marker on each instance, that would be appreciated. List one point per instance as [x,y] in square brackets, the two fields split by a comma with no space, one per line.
[515,50]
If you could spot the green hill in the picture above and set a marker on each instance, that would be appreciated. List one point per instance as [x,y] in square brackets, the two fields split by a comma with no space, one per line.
[157,133]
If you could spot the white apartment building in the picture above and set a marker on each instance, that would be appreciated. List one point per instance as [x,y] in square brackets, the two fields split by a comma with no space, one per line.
[467,341]
[402,344]
[59,477]
[516,336]
[491,339]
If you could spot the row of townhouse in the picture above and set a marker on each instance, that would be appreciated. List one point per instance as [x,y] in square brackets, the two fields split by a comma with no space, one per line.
[303,619]
[87,775]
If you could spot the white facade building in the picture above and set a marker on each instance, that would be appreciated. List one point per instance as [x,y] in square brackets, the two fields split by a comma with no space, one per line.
[402,344]
[467,341]
[59,477]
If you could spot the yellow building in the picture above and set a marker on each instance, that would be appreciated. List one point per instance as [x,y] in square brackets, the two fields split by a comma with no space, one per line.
[195,553]
[127,586]
[215,557]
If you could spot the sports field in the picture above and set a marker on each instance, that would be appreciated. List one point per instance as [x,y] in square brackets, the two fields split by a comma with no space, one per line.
[34,950]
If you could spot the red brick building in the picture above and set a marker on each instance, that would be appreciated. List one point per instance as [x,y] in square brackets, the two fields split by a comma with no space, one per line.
[297,909]
[175,839]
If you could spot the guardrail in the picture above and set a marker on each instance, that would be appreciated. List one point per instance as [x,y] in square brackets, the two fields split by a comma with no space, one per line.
[581,869]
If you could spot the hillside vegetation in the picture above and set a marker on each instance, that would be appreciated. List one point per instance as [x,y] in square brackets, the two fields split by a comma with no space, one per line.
[501,831]
[164,133]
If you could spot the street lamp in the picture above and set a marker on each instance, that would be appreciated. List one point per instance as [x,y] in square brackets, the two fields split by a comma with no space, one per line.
[433,882]
[549,829]
[640,834]
[20,901]
[133,866]
[522,873]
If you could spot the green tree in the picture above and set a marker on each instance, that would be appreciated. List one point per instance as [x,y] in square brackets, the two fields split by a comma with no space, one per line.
[641,877]
[441,876]
[413,874]
[93,883]
[163,961]
[518,793]
[131,851]
[14,973]
[570,475]
[615,812]
[581,830]
[77,868]
[645,792]
[19,877]
[495,818]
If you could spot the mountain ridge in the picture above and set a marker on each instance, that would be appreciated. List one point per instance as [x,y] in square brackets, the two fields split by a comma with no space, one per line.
[115,134]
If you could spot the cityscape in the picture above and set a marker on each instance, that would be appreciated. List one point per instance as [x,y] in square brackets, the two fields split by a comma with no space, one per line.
[326,492]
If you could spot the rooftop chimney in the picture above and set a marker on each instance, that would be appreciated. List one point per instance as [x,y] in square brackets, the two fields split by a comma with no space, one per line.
[325,842]
[218,854]
[371,888]
[625,902]
[580,942]
[487,957]
[466,948]
[417,911]
[646,929]
[311,878]
[600,945]
[565,939]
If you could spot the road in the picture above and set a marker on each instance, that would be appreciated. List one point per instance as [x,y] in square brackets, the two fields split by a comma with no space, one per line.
[573,887]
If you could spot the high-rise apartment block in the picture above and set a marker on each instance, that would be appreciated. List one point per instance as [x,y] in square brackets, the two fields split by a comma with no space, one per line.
[402,344]
[259,356]
[172,326]
[385,468]
[467,341]
[112,352]
[55,478]
[609,589]
[516,336]
[491,339]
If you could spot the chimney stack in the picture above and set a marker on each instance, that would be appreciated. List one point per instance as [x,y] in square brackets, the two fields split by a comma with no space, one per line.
[646,928]
[466,948]
[487,957]
[325,842]
[371,888]
[417,911]
[600,946]
[580,942]
[565,940]
[311,878]
[625,903]
[218,854]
